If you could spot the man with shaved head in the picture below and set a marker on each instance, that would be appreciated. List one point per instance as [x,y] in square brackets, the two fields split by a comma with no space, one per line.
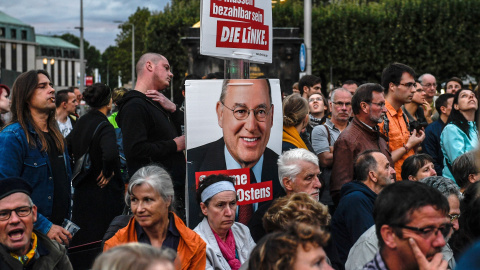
[150,123]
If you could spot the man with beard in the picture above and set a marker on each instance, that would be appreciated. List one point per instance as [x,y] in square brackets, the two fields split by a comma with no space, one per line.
[399,84]
[411,225]
[368,107]
[33,148]
[150,124]
[354,214]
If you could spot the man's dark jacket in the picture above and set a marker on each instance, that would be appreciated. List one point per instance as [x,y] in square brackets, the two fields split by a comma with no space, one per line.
[52,256]
[353,216]
[148,133]
[355,139]
[211,157]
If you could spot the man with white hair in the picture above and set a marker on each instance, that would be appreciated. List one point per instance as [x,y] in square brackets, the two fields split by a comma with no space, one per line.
[298,171]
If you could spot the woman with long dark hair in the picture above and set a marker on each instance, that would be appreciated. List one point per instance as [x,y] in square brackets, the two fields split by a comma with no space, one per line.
[98,196]
[460,135]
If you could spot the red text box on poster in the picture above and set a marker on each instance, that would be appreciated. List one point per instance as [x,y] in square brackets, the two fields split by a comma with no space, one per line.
[242,35]
[247,193]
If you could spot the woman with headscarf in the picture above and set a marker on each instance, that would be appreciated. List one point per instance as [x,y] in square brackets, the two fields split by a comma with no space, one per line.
[229,243]
[98,197]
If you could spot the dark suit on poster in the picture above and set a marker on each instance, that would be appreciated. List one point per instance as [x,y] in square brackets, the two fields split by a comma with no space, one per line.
[211,157]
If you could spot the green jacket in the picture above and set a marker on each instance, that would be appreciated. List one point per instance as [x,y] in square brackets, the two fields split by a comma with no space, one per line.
[52,256]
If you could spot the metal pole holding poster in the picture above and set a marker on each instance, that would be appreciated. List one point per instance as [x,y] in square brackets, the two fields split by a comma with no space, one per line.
[236,69]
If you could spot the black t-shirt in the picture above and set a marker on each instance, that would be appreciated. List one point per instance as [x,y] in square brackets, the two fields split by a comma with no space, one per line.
[61,184]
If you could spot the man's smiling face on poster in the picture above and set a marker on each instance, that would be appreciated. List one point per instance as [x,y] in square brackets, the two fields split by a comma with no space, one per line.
[245,113]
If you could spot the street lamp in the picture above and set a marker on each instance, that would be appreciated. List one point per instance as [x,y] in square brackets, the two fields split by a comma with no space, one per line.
[82,57]
[133,50]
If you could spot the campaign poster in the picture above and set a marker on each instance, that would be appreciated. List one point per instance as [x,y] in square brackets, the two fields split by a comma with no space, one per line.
[233,127]
[239,29]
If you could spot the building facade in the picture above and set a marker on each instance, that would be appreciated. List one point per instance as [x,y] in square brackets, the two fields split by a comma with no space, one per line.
[22,50]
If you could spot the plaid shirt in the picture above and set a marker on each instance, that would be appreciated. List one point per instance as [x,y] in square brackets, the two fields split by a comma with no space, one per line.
[376,264]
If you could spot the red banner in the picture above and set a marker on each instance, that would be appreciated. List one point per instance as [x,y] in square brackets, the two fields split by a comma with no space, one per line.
[242,35]
[247,193]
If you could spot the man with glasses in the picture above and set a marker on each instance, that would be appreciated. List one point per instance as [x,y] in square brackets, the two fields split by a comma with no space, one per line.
[324,137]
[22,247]
[411,226]
[309,85]
[245,114]
[368,106]
[399,84]
[429,84]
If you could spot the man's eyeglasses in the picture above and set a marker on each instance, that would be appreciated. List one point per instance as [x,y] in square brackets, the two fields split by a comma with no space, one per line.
[379,104]
[428,85]
[314,99]
[453,217]
[20,211]
[409,84]
[341,104]
[427,232]
[242,112]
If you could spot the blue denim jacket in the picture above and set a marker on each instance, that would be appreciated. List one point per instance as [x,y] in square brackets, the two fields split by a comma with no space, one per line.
[32,164]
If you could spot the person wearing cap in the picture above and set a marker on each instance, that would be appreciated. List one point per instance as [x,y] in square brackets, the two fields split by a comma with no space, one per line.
[22,247]
[229,243]
[150,196]
[99,194]
[33,148]
[4,102]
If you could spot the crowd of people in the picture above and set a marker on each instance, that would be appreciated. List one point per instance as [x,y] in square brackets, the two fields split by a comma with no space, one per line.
[371,176]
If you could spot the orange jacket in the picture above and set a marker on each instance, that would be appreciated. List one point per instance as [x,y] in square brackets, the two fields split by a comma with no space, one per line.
[191,251]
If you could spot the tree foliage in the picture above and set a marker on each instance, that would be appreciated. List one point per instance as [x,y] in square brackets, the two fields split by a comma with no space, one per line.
[359,40]
[91,54]
[164,31]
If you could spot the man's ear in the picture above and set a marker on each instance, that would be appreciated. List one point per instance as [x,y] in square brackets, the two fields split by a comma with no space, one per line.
[471,178]
[287,183]
[388,236]
[391,87]
[305,89]
[455,106]
[219,110]
[443,109]
[64,104]
[363,107]
[372,175]
[34,213]
[412,178]
[149,66]
[271,116]
[330,105]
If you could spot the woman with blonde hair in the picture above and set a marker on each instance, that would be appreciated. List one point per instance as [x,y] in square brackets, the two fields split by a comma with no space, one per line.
[295,120]
[298,247]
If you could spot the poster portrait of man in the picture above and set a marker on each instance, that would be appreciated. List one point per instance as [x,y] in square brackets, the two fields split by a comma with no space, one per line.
[243,132]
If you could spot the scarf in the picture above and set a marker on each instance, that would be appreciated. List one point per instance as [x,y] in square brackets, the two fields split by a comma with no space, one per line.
[291,135]
[315,121]
[228,249]
[27,257]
